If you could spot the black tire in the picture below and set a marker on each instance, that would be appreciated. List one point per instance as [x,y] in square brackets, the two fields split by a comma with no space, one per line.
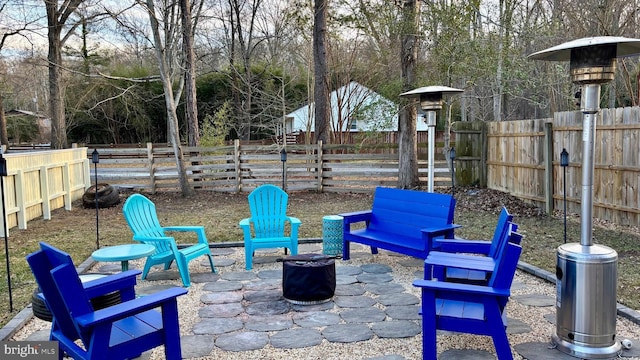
[39,307]
[107,196]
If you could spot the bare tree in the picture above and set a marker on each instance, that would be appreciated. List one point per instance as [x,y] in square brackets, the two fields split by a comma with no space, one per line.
[166,55]
[407,143]
[190,98]
[321,83]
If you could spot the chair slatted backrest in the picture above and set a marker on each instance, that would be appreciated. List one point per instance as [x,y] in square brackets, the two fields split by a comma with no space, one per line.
[42,262]
[506,263]
[141,215]
[74,299]
[501,230]
[268,206]
[404,211]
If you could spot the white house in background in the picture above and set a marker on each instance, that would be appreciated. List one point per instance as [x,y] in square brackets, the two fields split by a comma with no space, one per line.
[360,108]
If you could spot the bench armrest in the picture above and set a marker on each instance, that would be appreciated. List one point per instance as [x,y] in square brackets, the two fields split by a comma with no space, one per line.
[356,216]
[459,261]
[123,282]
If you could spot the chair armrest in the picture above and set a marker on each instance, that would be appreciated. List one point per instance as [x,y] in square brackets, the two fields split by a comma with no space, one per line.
[448,287]
[294,220]
[245,222]
[130,308]
[460,261]
[439,230]
[463,246]
[124,282]
[198,229]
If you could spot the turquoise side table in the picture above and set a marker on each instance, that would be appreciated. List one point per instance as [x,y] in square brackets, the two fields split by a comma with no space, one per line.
[123,253]
[332,235]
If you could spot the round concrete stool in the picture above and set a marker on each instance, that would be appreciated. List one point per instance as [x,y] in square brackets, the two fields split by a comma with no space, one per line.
[332,235]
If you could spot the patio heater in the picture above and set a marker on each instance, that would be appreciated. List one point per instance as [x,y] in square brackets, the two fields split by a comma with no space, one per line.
[586,273]
[431,100]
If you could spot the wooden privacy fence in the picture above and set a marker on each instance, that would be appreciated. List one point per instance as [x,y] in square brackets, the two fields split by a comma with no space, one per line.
[523,159]
[42,181]
[241,168]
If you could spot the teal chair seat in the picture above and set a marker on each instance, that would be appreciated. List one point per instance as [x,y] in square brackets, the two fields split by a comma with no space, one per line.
[141,216]
[269,226]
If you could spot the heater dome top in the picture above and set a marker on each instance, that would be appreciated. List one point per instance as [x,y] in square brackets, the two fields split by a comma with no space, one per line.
[431,90]
[624,47]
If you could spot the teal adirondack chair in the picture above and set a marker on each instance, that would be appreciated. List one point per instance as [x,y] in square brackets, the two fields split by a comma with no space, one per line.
[267,226]
[140,213]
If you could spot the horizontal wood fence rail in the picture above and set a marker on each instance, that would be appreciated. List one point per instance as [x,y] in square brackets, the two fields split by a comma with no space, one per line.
[241,168]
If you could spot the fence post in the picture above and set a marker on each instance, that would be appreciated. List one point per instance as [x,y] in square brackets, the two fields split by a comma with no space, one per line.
[548,167]
[152,168]
[236,162]
[320,165]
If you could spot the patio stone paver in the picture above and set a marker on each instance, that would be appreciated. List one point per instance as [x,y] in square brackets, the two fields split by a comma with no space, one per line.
[384,288]
[264,284]
[347,333]
[515,326]
[195,345]
[270,274]
[466,354]
[316,319]
[268,323]
[220,262]
[346,279]
[349,290]
[221,297]
[376,268]
[216,326]
[276,307]
[296,338]
[363,315]
[538,300]
[396,329]
[354,301]
[404,312]
[223,286]
[263,295]
[239,276]
[398,299]
[348,270]
[373,278]
[204,277]
[242,341]
[221,310]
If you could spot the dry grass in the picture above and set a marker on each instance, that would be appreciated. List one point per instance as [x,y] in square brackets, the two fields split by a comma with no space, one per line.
[75,231]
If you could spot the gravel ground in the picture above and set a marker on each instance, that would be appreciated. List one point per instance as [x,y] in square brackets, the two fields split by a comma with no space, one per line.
[408,348]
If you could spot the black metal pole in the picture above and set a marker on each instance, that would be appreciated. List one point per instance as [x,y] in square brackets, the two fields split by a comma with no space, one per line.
[283,158]
[564,162]
[3,173]
[95,158]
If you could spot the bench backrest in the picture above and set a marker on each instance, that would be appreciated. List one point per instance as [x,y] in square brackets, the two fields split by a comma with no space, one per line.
[405,211]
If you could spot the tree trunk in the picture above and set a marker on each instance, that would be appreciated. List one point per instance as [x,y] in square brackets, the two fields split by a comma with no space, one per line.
[321,83]
[4,137]
[56,96]
[172,116]
[407,143]
[191,103]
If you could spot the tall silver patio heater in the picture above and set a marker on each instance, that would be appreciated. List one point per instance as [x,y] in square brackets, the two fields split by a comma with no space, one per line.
[431,100]
[587,273]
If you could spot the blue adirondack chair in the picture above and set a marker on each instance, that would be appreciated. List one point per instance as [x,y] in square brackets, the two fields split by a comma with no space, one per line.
[266,228]
[121,331]
[486,248]
[140,213]
[467,308]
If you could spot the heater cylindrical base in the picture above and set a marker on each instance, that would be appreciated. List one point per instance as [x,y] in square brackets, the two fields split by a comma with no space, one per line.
[586,352]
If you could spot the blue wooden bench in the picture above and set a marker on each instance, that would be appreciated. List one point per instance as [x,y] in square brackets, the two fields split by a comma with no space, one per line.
[467,308]
[403,221]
